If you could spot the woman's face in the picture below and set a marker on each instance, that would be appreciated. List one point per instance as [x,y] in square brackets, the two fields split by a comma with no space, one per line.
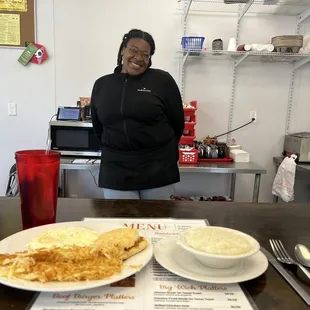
[136,56]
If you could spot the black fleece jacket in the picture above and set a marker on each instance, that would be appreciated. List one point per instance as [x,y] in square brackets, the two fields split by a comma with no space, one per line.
[139,120]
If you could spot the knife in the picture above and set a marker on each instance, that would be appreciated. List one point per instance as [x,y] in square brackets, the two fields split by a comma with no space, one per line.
[296,286]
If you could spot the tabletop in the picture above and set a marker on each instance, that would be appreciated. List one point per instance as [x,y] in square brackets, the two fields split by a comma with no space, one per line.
[224,167]
[287,222]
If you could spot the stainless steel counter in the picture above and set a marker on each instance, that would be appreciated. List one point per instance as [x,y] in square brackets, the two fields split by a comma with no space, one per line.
[223,168]
[247,168]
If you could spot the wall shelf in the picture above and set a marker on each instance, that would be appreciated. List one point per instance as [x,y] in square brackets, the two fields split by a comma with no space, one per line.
[297,59]
[276,7]
[300,9]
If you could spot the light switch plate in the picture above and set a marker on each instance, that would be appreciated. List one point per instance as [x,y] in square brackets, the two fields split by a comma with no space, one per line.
[12,109]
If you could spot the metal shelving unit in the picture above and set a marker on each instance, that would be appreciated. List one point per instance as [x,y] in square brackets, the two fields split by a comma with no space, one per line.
[298,8]
[264,7]
[298,60]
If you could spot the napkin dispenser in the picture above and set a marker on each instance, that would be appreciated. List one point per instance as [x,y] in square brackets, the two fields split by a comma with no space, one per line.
[240,156]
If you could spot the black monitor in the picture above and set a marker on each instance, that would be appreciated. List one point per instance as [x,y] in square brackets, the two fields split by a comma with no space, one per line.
[69,114]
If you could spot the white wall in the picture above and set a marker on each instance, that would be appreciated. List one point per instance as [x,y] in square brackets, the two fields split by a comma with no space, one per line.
[85,36]
[94,32]
[32,88]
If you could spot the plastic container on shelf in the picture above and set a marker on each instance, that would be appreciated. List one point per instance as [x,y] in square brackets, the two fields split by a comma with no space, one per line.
[190,125]
[188,139]
[188,156]
[189,113]
[192,43]
[192,109]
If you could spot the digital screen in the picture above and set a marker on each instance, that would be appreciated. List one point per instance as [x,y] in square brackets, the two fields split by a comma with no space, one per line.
[69,114]
[68,139]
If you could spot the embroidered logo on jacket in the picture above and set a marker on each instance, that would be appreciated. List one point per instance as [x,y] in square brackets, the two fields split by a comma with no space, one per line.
[144,90]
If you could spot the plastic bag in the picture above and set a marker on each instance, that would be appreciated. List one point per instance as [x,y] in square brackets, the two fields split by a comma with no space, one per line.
[283,184]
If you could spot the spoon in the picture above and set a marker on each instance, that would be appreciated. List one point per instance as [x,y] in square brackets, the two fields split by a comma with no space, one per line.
[302,254]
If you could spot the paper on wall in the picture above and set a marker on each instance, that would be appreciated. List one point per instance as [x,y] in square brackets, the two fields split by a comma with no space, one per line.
[13,5]
[10,29]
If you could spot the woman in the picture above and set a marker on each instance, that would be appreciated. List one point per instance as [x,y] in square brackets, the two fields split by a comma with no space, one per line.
[137,113]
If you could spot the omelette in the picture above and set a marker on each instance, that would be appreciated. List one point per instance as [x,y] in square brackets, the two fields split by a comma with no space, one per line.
[101,259]
[126,240]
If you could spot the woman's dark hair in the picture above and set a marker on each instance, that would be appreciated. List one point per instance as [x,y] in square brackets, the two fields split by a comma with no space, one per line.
[134,33]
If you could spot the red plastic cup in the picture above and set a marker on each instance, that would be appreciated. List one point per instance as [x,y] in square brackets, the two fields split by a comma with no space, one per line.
[38,177]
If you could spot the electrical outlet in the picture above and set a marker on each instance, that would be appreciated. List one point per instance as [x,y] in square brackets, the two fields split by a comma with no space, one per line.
[12,109]
[253,114]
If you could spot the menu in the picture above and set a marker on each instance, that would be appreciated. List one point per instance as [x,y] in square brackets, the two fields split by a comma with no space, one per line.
[9,29]
[154,287]
[13,5]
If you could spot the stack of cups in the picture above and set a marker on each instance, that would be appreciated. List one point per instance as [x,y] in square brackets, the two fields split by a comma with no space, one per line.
[232,45]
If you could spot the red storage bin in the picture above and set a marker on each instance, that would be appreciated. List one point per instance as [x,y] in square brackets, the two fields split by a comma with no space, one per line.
[191,124]
[188,139]
[189,156]
[189,113]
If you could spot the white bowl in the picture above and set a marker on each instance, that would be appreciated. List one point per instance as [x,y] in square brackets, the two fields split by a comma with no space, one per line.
[217,260]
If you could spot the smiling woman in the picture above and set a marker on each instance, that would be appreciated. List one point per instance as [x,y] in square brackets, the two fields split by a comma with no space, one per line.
[138,116]
[135,52]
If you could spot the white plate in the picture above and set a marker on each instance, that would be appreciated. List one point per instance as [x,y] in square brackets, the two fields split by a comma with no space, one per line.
[19,241]
[178,261]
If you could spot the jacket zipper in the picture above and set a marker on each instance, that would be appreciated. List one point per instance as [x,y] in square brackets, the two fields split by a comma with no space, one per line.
[122,112]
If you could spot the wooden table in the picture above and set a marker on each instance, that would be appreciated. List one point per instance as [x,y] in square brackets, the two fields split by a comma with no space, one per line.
[290,223]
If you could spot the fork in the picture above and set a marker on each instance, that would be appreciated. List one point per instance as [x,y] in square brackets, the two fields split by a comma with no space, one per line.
[283,257]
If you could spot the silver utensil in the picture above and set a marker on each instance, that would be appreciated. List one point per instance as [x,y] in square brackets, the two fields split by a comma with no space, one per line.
[302,254]
[283,257]
[293,283]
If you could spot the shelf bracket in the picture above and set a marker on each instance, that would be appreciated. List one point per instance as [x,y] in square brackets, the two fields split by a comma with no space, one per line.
[245,9]
[302,16]
[185,59]
[241,60]
[187,9]
[290,103]
[300,63]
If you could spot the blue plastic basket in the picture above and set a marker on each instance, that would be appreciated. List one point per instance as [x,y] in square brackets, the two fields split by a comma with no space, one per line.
[192,43]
